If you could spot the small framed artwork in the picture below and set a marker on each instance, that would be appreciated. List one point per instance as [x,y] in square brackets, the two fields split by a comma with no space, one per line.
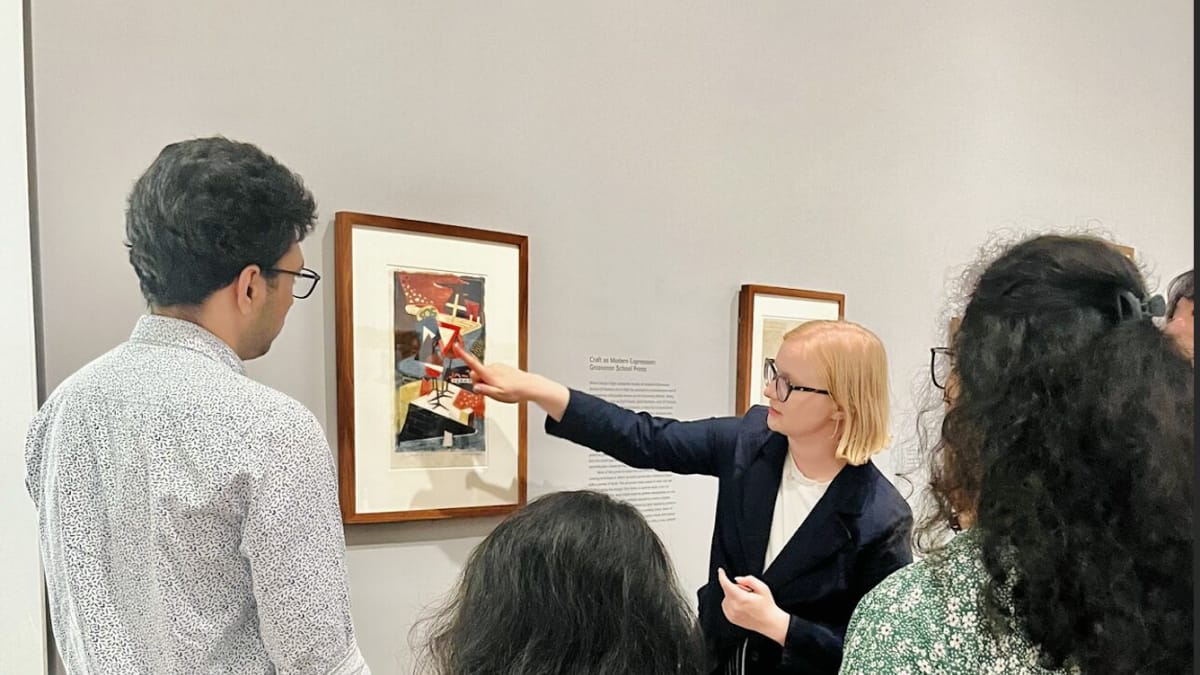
[765,314]
[415,441]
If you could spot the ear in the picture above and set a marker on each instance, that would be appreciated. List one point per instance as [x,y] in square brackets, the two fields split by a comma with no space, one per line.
[250,288]
[838,415]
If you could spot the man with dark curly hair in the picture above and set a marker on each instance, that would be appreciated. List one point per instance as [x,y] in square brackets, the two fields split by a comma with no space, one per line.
[188,514]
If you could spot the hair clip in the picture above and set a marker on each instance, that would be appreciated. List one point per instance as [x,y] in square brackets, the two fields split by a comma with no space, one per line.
[1130,308]
[1155,306]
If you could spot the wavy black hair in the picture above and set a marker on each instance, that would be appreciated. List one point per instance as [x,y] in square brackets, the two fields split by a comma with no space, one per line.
[204,210]
[1069,440]
[575,582]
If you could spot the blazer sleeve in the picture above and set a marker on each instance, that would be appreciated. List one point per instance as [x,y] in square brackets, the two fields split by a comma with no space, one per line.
[647,442]
[886,554]
[812,647]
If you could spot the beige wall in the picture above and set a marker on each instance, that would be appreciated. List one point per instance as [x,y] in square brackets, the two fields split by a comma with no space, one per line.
[657,154]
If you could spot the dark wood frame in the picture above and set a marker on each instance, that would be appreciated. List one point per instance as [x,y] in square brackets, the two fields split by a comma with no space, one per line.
[746,326]
[344,222]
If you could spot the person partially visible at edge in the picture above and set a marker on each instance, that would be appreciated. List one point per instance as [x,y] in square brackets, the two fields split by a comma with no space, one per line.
[188,514]
[1066,452]
[1180,309]
[575,582]
[805,523]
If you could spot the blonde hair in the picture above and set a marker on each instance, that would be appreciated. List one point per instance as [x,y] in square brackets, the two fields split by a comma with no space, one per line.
[854,364]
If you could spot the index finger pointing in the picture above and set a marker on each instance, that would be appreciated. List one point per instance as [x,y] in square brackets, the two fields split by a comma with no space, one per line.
[469,358]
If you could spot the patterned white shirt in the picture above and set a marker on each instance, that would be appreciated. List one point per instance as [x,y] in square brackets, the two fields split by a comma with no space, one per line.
[188,516]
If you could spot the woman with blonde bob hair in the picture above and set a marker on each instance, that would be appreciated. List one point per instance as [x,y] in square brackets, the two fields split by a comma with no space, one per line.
[805,523]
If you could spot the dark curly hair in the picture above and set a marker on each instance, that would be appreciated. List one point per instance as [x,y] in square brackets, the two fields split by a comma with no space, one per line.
[575,582]
[204,210]
[1069,438]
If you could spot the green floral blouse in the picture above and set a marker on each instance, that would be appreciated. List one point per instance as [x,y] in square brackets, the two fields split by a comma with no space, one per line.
[926,618]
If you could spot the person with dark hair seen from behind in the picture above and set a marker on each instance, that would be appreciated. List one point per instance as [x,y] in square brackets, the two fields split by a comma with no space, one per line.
[1067,452]
[574,583]
[1180,308]
[188,514]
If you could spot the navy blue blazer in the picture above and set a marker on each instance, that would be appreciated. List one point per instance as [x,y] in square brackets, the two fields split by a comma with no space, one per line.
[857,534]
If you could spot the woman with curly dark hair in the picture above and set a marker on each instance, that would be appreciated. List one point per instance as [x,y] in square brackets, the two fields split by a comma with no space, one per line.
[575,582]
[1066,453]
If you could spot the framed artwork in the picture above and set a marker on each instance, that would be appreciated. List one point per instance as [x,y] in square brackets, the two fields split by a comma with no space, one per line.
[415,441]
[765,314]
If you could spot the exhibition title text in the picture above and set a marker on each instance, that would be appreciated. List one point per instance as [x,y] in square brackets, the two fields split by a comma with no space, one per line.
[617,364]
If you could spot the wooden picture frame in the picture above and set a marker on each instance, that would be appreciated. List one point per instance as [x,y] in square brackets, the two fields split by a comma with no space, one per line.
[765,313]
[414,440]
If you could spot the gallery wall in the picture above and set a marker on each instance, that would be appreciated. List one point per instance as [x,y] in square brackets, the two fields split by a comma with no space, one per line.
[658,156]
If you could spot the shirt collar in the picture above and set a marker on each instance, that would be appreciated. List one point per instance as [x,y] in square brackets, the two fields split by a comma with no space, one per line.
[169,332]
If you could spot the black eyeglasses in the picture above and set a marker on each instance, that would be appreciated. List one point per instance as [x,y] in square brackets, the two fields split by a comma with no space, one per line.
[941,360]
[783,388]
[306,281]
